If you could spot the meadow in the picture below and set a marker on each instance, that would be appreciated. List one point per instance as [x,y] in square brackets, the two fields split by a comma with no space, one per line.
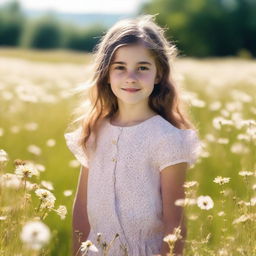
[36,104]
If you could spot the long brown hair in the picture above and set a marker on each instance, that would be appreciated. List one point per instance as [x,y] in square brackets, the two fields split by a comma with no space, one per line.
[102,103]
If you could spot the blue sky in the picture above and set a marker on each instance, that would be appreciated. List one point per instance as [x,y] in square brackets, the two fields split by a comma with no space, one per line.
[82,6]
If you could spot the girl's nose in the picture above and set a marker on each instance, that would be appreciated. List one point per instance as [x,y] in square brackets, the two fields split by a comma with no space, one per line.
[131,77]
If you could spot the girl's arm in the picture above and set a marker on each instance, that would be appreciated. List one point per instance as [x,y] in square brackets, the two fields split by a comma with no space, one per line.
[80,219]
[172,180]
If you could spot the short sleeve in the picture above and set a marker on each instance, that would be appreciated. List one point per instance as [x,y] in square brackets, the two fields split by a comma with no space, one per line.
[174,148]
[72,139]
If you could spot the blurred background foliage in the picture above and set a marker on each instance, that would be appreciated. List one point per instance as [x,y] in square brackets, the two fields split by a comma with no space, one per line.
[200,28]
[44,32]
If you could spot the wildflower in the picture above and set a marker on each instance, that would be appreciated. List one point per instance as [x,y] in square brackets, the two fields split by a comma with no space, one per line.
[218,122]
[209,137]
[1,132]
[15,129]
[189,184]
[223,252]
[244,137]
[221,180]
[192,217]
[48,185]
[26,171]
[19,162]
[239,148]
[210,217]
[74,163]
[51,143]
[99,237]
[215,105]
[10,180]
[31,186]
[3,217]
[67,192]
[241,219]
[88,245]
[223,141]
[184,202]
[253,201]
[221,213]
[198,103]
[31,126]
[172,238]
[62,211]
[245,173]
[40,167]
[35,234]
[226,192]
[205,202]
[249,122]
[34,150]
[254,186]
[48,199]
[3,156]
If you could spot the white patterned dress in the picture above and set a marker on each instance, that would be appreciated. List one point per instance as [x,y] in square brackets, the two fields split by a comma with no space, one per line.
[124,193]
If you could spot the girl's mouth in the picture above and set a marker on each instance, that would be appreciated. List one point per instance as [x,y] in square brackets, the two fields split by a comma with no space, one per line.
[130,89]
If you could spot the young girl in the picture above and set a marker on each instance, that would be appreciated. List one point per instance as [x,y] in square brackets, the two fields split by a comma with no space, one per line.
[134,144]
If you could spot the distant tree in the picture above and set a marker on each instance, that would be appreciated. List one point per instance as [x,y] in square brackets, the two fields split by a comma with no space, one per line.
[207,27]
[83,39]
[12,24]
[43,33]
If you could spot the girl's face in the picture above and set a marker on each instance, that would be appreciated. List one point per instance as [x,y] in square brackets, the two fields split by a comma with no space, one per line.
[132,74]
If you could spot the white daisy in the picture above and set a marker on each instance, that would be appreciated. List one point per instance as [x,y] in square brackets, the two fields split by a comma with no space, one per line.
[47,184]
[10,180]
[245,173]
[62,211]
[34,150]
[48,199]
[205,202]
[221,180]
[189,184]
[88,245]
[68,193]
[51,143]
[35,234]
[3,217]
[172,238]
[184,202]
[26,171]
[3,156]
[242,218]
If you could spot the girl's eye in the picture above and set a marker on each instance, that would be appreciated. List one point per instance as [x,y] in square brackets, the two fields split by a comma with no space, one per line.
[143,68]
[119,67]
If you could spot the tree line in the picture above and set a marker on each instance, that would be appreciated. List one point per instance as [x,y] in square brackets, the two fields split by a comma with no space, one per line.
[208,27]
[45,32]
[199,28]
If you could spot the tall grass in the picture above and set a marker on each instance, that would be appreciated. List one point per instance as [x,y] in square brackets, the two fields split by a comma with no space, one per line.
[221,204]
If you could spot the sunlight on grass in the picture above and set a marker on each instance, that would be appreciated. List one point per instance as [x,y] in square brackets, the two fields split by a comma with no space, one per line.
[36,103]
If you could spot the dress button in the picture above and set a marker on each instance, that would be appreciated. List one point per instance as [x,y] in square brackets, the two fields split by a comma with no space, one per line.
[114,142]
[113,159]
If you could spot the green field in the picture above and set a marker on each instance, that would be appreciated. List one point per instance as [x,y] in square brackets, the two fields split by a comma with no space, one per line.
[37,102]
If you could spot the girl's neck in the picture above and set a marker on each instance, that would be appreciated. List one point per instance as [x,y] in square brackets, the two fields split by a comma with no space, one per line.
[130,118]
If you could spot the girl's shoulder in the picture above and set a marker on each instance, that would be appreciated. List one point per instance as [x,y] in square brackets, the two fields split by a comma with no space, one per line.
[164,133]
[162,127]
[172,145]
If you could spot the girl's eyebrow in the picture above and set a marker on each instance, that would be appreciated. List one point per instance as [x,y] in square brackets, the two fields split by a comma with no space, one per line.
[124,63]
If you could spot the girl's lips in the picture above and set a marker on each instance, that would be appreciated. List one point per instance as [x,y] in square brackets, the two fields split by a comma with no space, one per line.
[130,89]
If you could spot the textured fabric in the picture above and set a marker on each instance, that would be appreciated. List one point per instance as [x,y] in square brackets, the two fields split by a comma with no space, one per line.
[124,194]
